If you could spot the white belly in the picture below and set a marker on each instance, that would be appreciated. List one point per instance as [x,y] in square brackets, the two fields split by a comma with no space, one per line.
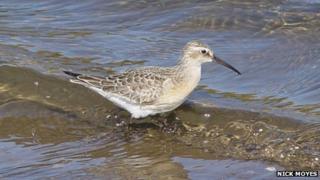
[137,111]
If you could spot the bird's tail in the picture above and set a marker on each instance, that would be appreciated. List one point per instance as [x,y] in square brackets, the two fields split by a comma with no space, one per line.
[72,73]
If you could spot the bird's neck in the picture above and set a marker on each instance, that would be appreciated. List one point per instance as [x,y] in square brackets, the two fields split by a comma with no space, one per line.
[188,71]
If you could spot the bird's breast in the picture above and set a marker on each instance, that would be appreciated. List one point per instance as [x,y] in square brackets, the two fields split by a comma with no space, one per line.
[181,89]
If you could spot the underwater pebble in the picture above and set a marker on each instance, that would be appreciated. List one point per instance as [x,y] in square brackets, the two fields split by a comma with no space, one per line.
[296,147]
[236,136]
[120,124]
[260,130]
[177,118]
[207,115]
[207,134]
[317,159]
[271,168]
[48,97]
[281,155]
[108,116]
[205,141]
[36,83]
[33,132]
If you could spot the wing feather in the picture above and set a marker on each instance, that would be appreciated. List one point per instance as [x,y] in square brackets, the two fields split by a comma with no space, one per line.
[140,86]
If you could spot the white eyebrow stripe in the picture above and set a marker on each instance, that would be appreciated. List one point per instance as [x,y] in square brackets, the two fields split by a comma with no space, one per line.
[200,48]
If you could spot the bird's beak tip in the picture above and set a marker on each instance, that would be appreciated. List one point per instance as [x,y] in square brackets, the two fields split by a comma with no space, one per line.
[220,61]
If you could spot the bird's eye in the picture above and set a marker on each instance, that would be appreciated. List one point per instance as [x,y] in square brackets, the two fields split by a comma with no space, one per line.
[204,51]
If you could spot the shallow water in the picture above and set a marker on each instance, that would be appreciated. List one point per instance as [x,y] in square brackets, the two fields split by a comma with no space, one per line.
[270,115]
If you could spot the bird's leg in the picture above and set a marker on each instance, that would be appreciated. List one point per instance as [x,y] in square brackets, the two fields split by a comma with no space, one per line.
[143,123]
[130,120]
[128,125]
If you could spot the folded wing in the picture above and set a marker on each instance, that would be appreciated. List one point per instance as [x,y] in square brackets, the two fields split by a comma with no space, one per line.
[140,86]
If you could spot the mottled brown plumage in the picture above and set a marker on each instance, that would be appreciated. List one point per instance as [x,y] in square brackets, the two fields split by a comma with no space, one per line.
[141,86]
[150,90]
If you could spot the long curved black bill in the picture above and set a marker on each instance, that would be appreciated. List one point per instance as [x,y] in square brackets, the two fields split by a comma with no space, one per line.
[220,61]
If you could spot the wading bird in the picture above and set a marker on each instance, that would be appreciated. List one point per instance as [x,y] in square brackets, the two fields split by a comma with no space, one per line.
[151,90]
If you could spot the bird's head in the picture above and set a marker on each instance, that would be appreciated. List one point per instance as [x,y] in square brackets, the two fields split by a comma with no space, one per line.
[198,53]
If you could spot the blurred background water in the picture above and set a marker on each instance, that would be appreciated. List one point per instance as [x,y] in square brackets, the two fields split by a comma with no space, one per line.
[50,128]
